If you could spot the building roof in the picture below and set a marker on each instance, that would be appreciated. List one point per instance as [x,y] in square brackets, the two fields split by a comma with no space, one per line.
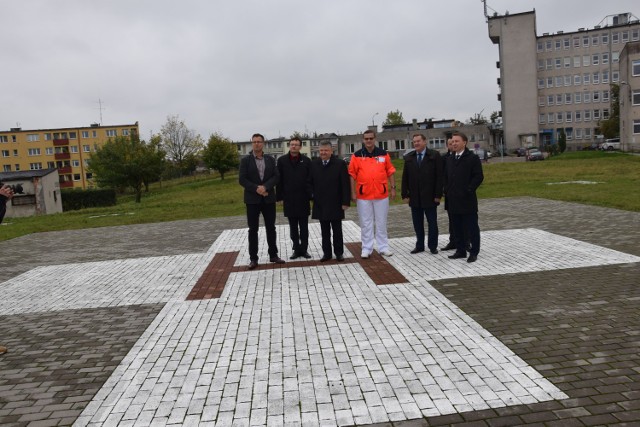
[18,175]
[93,126]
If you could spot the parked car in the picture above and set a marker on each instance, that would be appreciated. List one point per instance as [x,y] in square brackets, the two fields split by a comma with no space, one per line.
[534,155]
[520,152]
[610,144]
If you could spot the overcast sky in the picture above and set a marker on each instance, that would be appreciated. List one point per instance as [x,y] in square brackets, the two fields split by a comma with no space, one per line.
[270,66]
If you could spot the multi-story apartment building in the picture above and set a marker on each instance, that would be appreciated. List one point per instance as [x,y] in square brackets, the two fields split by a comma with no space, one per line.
[66,149]
[630,97]
[557,82]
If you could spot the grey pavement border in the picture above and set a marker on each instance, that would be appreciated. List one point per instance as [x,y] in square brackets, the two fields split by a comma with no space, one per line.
[578,327]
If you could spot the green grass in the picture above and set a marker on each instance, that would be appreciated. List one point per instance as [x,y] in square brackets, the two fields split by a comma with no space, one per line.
[617,174]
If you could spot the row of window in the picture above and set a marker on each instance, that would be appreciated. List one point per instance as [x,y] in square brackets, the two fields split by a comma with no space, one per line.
[579,79]
[587,40]
[50,165]
[571,116]
[49,151]
[573,98]
[34,137]
[578,61]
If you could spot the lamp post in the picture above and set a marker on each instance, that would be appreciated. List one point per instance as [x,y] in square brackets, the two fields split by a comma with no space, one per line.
[373,123]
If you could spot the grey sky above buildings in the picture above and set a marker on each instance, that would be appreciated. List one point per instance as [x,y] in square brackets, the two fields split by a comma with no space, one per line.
[244,66]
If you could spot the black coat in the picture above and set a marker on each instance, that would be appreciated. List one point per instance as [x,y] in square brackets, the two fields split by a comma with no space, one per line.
[462,179]
[421,184]
[249,178]
[331,189]
[293,188]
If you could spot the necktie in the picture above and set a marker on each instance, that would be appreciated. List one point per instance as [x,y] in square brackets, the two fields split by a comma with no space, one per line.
[324,162]
[419,158]
[457,156]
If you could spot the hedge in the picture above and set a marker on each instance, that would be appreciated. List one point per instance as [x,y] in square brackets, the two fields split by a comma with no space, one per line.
[79,199]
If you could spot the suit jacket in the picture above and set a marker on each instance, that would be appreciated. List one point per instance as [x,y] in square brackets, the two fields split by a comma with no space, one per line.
[331,189]
[249,178]
[422,183]
[293,188]
[462,179]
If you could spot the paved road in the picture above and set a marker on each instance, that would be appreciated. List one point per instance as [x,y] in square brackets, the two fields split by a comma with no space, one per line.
[578,326]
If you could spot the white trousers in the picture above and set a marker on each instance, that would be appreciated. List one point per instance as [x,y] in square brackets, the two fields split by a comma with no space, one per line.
[373,212]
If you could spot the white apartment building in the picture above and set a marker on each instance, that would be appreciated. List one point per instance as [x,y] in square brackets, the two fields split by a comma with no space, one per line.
[557,82]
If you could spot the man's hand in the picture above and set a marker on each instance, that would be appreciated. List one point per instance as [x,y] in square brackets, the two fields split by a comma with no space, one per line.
[405,200]
[345,207]
[6,191]
[261,190]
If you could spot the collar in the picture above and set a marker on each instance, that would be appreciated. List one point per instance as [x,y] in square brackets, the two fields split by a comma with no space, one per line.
[256,157]
[377,151]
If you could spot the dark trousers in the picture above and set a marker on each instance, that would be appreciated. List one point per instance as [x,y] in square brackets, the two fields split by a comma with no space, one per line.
[431,214]
[338,244]
[452,233]
[299,233]
[268,211]
[466,224]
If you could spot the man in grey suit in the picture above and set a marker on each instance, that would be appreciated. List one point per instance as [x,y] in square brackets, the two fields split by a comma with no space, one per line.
[259,175]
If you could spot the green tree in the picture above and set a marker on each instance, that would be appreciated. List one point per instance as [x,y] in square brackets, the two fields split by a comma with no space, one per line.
[477,119]
[562,141]
[180,143]
[220,154]
[610,127]
[394,118]
[126,162]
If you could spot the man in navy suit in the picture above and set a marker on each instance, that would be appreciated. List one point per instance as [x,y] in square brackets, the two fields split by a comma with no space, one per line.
[259,175]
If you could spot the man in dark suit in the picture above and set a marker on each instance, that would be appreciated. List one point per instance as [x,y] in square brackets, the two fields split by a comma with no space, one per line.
[422,184]
[293,191]
[462,179]
[259,175]
[329,182]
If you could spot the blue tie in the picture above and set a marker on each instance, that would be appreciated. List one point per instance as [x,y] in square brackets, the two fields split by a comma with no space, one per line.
[419,158]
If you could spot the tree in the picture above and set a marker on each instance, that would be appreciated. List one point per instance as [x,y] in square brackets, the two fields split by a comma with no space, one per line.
[477,119]
[220,154]
[127,162]
[610,127]
[496,116]
[562,141]
[393,118]
[179,142]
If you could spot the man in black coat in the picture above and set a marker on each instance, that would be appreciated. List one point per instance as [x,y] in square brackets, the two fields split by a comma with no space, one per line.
[462,179]
[6,193]
[258,175]
[293,191]
[330,186]
[422,184]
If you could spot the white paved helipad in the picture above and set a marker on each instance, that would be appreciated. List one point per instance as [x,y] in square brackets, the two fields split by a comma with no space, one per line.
[318,345]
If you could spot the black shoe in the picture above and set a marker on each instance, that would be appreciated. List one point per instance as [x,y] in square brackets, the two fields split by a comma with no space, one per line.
[295,256]
[325,258]
[472,258]
[458,255]
[276,260]
[416,251]
[253,264]
[434,251]
[306,255]
[339,257]
[449,247]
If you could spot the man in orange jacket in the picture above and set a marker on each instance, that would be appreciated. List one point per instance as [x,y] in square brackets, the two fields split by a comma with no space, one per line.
[372,183]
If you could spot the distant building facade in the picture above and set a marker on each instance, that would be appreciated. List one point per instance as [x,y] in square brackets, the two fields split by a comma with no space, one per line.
[65,149]
[38,192]
[630,97]
[559,82]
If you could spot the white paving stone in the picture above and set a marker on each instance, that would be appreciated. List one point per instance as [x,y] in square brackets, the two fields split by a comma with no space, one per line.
[320,345]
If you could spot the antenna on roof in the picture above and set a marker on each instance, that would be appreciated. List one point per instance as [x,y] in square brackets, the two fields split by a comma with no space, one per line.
[100,107]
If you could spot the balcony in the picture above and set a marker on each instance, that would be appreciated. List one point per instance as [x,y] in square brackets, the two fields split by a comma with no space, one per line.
[66,184]
[59,142]
[62,156]
[64,169]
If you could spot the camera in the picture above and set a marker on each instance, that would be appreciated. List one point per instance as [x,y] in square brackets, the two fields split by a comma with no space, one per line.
[17,188]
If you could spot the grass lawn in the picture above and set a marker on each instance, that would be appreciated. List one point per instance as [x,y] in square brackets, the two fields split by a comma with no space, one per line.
[617,178]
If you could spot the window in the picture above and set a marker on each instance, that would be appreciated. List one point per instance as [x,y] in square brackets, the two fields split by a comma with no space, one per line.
[605,39]
[541,118]
[577,97]
[94,134]
[49,151]
[596,78]
[540,64]
[625,36]
[86,148]
[568,116]
[548,45]
[15,153]
[567,62]
[576,42]
[558,99]
[587,133]
[636,126]
[635,69]
[541,100]
[47,137]
[586,97]
[540,83]
[577,79]
[549,81]
[596,96]
[636,97]
[569,133]
[550,117]
[605,113]
[549,63]
[6,168]
[587,115]
[576,61]
[558,63]
[567,43]
[73,135]
[3,138]
[88,175]
[578,133]
[605,58]
[35,166]
[76,177]
[559,81]
[549,99]
[111,132]
[125,132]
[615,57]
[615,76]
[559,117]
[596,114]
[595,59]
[595,40]
[85,134]
[540,46]
[586,60]
[33,137]
[635,35]
[605,76]
[567,98]
[558,44]
[586,79]
[34,151]
[75,163]
[51,165]
[615,37]
[17,167]
[578,116]
[5,153]
[27,199]
[73,148]
[585,41]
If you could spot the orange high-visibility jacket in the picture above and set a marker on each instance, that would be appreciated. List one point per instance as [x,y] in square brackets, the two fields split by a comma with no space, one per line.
[371,173]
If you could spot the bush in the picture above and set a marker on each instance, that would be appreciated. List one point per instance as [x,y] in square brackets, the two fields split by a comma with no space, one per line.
[80,199]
